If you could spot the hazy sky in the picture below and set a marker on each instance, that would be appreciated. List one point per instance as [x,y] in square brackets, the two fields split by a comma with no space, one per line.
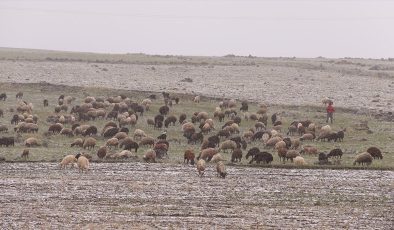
[301,28]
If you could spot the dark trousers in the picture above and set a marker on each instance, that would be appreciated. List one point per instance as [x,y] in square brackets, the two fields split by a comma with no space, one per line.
[329,117]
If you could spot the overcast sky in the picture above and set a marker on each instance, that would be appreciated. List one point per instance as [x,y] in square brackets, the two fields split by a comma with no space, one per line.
[301,28]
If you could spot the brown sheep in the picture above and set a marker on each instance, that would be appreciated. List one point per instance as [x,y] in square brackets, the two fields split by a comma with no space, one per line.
[201,167]
[280,144]
[217,157]
[228,144]
[113,142]
[77,142]
[236,156]
[147,141]
[272,141]
[307,136]
[139,133]
[120,135]
[299,161]
[282,154]
[102,152]
[66,132]
[25,154]
[150,156]
[363,158]
[309,150]
[82,162]
[291,154]
[189,156]
[221,170]
[89,143]
[375,152]
[207,154]
[69,159]
[31,142]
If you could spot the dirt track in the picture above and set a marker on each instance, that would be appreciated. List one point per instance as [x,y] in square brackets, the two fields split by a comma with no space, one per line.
[134,195]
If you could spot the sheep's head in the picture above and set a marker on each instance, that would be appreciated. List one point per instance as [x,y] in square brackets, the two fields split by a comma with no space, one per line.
[78,155]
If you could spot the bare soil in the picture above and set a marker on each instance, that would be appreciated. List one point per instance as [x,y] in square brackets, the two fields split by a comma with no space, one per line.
[146,196]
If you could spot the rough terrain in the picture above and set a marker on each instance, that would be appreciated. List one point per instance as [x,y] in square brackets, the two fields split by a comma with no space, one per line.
[141,196]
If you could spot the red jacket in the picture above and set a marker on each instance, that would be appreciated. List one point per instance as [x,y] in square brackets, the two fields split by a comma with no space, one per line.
[330,109]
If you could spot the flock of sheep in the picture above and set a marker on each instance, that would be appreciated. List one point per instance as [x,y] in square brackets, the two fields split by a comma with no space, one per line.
[214,131]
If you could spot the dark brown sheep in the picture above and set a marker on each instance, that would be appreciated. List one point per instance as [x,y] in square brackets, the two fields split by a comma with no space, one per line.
[236,156]
[363,158]
[189,157]
[375,152]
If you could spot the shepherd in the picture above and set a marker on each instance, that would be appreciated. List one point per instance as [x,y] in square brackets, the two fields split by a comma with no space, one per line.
[330,112]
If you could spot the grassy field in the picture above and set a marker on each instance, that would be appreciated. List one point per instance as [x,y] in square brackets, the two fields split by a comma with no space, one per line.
[381,133]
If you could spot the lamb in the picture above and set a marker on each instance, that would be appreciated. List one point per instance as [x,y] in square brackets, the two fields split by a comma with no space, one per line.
[201,167]
[31,142]
[69,159]
[82,162]
[207,154]
[25,154]
[228,144]
[139,133]
[221,170]
[102,152]
[89,143]
[375,152]
[291,154]
[236,156]
[299,161]
[197,99]
[77,142]
[363,158]
[335,153]
[189,156]
[113,142]
[150,156]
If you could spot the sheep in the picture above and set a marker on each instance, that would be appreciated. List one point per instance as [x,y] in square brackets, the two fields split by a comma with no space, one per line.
[323,159]
[375,152]
[188,156]
[55,128]
[139,133]
[110,132]
[69,159]
[164,110]
[113,142]
[201,167]
[89,143]
[150,156]
[236,156]
[120,135]
[207,154]
[280,144]
[228,144]
[272,141]
[25,154]
[307,136]
[265,157]
[129,144]
[295,143]
[182,117]
[363,158]
[77,142]
[66,132]
[206,128]
[291,154]
[326,129]
[196,99]
[282,154]
[299,161]
[31,142]
[170,119]
[102,152]
[220,169]
[217,157]
[82,162]
[309,150]
[3,128]
[292,130]
[147,141]
[335,153]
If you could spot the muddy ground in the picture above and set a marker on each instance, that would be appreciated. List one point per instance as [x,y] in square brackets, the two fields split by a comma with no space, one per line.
[145,196]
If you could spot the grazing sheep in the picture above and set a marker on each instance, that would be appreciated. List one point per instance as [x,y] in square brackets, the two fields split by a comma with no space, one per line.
[110,132]
[307,136]
[170,119]
[295,143]
[228,144]
[220,169]
[31,142]
[3,128]
[292,130]
[55,128]
[217,157]
[291,154]
[25,154]
[68,160]
[89,143]
[147,141]
[102,152]
[150,156]
[129,144]
[121,135]
[207,154]
[77,142]
[196,99]
[188,156]
[265,157]
[282,154]
[67,132]
[363,158]
[272,141]
[299,161]
[336,153]
[139,133]
[113,142]
[82,162]
[236,156]
[201,167]
[280,144]
[375,152]
[182,117]
[309,150]
[150,122]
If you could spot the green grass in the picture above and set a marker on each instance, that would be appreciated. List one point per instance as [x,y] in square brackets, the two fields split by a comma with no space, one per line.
[355,141]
